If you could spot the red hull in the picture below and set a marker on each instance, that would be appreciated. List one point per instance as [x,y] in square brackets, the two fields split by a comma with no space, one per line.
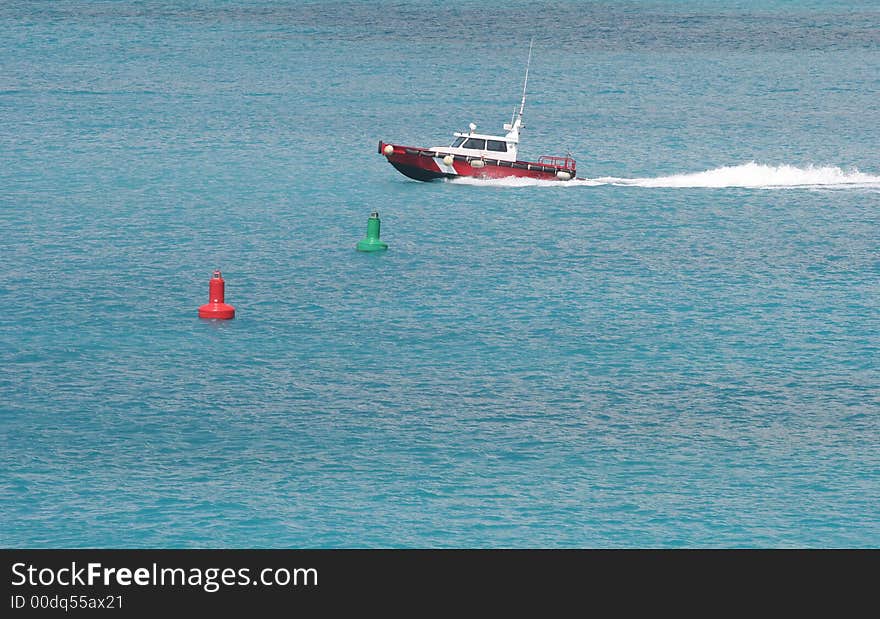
[424,164]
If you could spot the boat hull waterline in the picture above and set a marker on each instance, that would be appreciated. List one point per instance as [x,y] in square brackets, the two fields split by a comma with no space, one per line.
[425,164]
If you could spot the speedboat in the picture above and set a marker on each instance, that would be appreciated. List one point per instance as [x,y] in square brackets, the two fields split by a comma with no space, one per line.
[479,155]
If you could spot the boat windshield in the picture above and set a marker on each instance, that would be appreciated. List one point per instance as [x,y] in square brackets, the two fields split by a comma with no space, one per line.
[475,143]
[499,146]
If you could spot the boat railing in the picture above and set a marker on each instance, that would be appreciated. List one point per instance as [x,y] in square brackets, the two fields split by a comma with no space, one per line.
[559,162]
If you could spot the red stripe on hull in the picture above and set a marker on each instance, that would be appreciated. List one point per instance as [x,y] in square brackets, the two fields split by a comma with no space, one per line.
[501,171]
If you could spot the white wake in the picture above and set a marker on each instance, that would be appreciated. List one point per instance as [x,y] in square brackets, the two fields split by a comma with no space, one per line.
[749,175]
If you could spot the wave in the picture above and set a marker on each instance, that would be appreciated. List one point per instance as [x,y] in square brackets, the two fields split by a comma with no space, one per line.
[750,175]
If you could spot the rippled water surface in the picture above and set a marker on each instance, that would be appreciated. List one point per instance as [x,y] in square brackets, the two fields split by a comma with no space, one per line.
[680,349]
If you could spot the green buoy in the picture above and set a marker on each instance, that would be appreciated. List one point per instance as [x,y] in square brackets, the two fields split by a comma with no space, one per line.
[371,242]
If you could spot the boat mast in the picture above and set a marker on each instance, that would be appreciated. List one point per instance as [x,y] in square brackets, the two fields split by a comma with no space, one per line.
[522,104]
[516,123]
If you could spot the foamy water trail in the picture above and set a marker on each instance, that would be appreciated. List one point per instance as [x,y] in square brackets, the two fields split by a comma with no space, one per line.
[749,175]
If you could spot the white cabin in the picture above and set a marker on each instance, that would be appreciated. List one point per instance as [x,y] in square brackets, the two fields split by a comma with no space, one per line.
[471,144]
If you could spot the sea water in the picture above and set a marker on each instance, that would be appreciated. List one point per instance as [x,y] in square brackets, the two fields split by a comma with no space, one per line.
[680,349]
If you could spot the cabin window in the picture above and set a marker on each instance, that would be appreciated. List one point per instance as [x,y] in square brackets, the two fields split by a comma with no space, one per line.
[475,143]
[457,142]
[498,146]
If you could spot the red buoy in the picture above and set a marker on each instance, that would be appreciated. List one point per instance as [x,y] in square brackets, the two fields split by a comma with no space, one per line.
[215,307]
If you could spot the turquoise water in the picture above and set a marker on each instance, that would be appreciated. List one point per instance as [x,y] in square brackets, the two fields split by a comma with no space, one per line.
[680,350]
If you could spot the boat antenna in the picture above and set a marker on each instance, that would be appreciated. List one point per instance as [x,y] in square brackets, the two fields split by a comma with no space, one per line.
[522,104]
